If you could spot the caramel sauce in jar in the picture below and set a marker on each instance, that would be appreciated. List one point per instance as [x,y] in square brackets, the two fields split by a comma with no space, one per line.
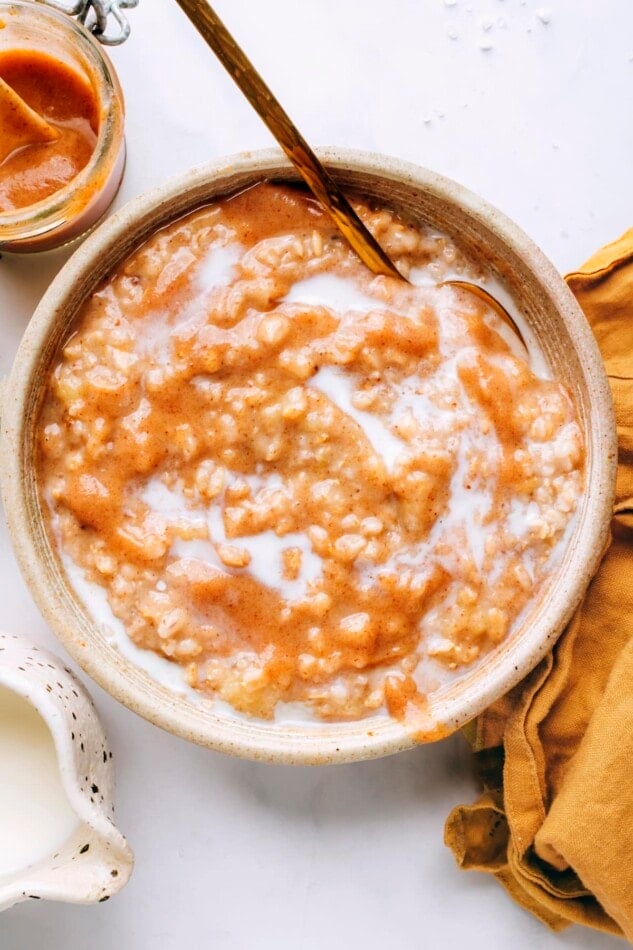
[68,103]
[51,192]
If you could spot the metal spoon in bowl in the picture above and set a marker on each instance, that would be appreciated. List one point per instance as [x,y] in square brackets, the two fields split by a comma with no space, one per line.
[318,179]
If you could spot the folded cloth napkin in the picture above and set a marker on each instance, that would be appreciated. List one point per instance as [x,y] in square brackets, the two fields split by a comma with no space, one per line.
[555,821]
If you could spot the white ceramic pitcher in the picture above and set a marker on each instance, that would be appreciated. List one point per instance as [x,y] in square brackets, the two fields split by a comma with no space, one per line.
[96,861]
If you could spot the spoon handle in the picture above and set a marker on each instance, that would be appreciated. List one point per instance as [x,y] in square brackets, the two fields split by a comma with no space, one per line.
[242,71]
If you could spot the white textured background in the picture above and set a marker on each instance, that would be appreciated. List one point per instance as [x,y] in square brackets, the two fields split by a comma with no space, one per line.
[238,856]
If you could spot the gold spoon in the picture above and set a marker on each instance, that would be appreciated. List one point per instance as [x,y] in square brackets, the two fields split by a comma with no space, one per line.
[492,302]
[240,68]
[20,124]
[318,179]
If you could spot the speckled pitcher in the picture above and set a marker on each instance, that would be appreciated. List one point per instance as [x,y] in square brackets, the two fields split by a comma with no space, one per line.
[96,861]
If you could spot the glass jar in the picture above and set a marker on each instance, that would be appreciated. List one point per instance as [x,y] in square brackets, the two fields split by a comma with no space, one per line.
[77,206]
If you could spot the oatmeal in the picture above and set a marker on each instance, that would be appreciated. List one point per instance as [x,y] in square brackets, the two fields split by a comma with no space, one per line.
[300,482]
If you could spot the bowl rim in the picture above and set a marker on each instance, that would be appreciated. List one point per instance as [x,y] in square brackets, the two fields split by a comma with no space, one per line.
[342,742]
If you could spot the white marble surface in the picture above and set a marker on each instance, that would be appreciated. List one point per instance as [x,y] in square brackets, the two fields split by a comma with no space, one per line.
[237,856]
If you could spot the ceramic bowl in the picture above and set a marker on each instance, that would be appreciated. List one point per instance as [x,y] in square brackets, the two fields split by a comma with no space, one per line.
[567,344]
[96,861]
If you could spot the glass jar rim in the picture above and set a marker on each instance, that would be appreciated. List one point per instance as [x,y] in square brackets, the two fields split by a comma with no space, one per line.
[45,216]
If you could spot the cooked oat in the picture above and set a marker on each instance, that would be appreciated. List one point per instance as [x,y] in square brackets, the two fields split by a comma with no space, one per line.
[296,480]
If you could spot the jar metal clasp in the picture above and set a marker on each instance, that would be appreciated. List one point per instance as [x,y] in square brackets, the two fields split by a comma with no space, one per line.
[95,14]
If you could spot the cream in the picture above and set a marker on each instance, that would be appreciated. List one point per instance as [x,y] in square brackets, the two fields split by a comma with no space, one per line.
[265,549]
[336,293]
[338,386]
[218,266]
[35,815]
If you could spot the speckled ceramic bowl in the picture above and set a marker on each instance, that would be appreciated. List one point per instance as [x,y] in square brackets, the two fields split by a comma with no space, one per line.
[550,311]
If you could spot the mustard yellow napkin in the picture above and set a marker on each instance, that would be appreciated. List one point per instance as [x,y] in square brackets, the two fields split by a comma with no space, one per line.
[555,821]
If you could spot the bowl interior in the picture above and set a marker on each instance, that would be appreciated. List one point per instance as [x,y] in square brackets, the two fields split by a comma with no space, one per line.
[548,308]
